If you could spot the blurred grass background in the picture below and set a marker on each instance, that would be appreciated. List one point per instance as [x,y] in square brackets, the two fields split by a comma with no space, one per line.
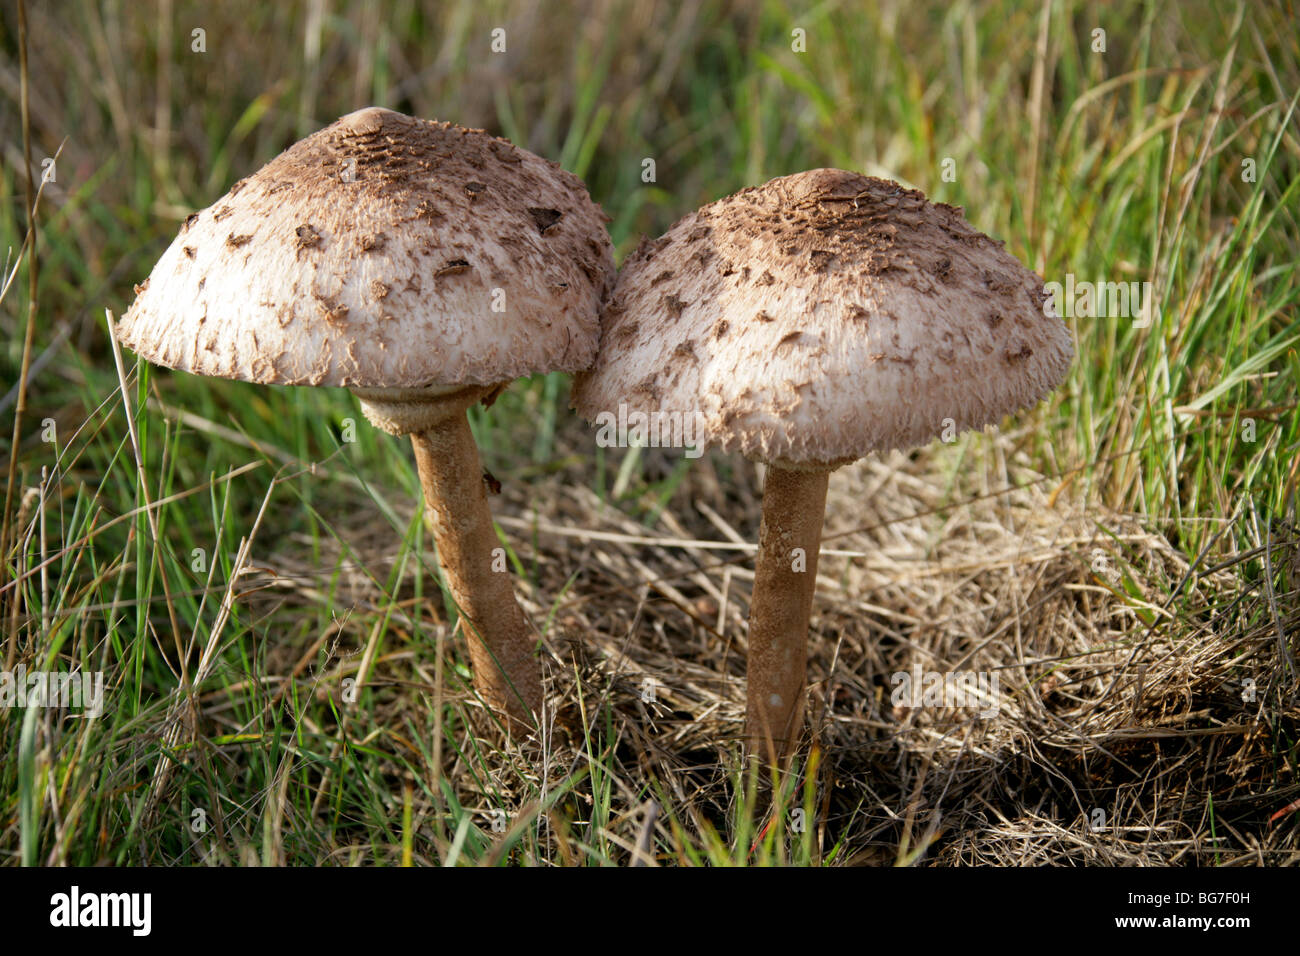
[1122,165]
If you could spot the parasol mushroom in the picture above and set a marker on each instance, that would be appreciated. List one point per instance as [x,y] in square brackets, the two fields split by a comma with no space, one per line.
[805,324]
[422,265]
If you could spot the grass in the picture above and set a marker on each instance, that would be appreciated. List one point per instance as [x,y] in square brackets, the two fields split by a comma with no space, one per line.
[264,546]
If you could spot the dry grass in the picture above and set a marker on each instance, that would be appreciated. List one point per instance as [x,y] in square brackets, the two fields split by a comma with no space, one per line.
[1121,730]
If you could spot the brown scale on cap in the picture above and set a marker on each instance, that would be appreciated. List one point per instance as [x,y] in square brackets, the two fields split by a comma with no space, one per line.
[308,238]
[382,197]
[544,218]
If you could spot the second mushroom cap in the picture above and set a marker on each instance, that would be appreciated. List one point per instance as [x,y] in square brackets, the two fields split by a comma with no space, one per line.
[823,316]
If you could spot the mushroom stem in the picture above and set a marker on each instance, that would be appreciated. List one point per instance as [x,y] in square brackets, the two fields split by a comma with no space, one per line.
[785,577]
[506,672]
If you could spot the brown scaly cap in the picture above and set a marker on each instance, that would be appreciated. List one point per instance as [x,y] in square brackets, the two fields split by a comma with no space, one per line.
[383,251]
[823,316]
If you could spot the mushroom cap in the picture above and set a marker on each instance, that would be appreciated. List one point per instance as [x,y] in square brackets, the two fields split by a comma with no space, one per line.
[383,251]
[820,317]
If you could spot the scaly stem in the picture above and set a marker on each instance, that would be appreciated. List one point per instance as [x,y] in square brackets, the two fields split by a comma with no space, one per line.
[501,642]
[785,577]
